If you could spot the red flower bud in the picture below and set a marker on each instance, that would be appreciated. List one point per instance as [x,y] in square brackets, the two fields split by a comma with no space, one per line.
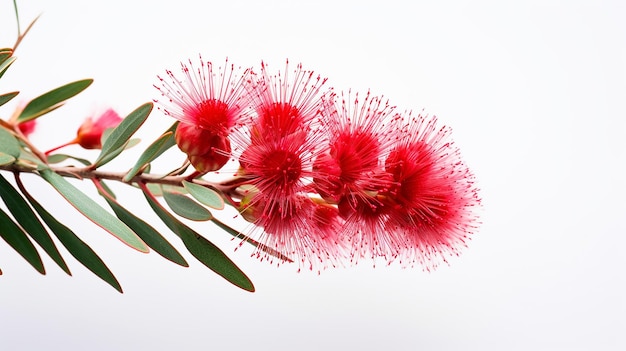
[27,127]
[214,159]
[89,134]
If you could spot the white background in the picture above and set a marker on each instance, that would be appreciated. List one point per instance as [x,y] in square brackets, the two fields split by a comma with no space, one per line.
[534,90]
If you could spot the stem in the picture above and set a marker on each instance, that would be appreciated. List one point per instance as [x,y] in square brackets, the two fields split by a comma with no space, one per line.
[61,146]
[87,173]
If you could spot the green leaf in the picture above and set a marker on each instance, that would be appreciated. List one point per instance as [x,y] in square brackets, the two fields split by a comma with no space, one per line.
[52,100]
[113,154]
[8,144]
[4,98]
[163,143]
[90,209]
[76,247]
[25,216]
[239,235]
[205,195]
[6,159]
[186,207]
[5,53]
[122,133]
[5,65]
[57,158]
[147,233]
[202,249]
[14,236]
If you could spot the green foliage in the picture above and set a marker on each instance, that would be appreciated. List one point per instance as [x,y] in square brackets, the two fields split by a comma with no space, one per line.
[202,249]
[90,209]
[27,219]
[28,224]
[120,136]
[52,100]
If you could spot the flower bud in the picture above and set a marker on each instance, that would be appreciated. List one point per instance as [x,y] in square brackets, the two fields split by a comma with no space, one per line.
[28,127]
[215,158]
[89,134]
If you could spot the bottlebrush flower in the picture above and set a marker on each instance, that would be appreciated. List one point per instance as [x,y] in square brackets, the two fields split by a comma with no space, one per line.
[361,134]
[433,196]
[277,161]
[89,134]
[209,105]
[214,101]
[285,104]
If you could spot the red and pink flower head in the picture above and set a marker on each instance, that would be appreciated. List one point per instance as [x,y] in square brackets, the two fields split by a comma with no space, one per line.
[210,106]
[361,132]
[325,178]
[277,160]
[433,194]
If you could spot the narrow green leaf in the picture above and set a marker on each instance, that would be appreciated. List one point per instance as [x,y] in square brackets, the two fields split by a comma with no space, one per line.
[6,159]
[202,249]
[57,158]
[5,65]
[186,207]
[76,247]
[122,133]
[8,144]
[239,235]
[146,232]
[113,154]
[205,195]
[4,98]
[25,216]
[90,209]
[5,53]
[17,239]
[155,149]
[52,99]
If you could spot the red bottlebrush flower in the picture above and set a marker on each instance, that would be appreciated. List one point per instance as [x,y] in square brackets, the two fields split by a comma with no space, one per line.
[89,134]
[209,105]
[306,231]
[433,195]
[285,104]
[28,127]
[277,160]
[351,173]
[214,101]
[360,135]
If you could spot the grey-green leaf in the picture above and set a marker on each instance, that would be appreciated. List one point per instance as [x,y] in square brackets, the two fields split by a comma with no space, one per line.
[114,153]
[202,249]
[155,149]
[5,65]
[205,195]
[76,247]
[8,144]
[186,207]
[6,159]
[17,239]
[146,232]
[4,98]
[122,133]
[56,158]
[52,99]
[93,211]
[25,216]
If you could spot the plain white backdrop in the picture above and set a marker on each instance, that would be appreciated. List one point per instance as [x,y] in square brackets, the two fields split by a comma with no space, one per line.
[534,90]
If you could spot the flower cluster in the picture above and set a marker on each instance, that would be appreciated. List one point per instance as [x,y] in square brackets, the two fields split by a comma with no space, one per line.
[324,177]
